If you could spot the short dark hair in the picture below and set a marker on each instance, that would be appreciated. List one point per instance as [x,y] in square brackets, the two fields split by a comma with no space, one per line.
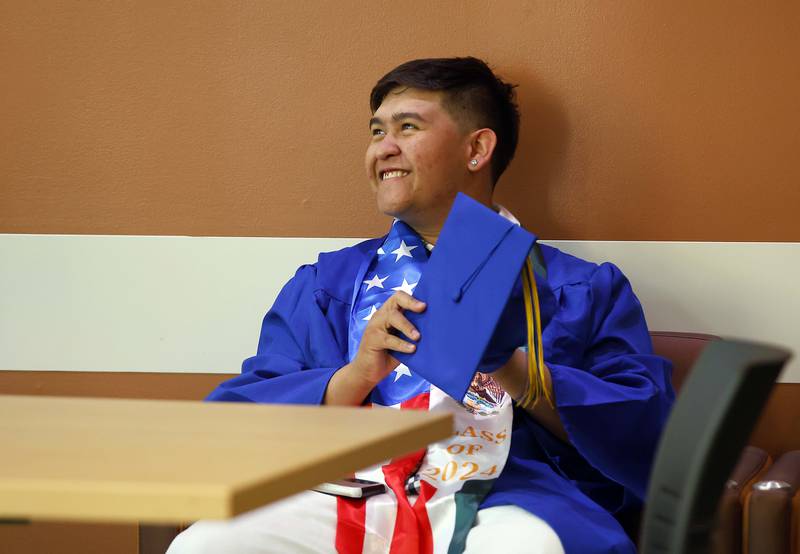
[473,95]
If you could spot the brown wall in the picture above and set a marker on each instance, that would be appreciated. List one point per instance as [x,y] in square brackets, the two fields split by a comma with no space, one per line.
[642,120]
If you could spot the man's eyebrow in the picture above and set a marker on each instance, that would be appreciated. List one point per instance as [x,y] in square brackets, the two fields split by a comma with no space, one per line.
[398,116]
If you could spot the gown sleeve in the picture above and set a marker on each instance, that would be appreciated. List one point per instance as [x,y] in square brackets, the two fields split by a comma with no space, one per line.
[614,395]
[298,350]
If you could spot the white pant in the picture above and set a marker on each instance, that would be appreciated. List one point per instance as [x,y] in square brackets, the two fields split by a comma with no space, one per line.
[306,523]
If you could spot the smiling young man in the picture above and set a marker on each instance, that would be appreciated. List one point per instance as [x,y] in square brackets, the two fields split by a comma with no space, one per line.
[550,478]
[415,161]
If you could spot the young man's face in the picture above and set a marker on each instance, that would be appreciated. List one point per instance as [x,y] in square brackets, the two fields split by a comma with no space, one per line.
[417,157]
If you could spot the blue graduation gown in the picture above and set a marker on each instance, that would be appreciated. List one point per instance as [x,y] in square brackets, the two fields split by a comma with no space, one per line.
[612,394]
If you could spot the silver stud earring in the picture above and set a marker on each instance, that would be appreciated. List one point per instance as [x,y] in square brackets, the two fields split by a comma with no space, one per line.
[473,163]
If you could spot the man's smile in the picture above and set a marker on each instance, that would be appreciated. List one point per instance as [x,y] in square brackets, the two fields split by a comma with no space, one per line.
[392,174]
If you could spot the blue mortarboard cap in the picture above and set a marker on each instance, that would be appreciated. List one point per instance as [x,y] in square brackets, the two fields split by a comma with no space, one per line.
[475,315]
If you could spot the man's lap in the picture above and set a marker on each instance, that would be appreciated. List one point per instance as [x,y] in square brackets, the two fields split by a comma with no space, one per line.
[306,523]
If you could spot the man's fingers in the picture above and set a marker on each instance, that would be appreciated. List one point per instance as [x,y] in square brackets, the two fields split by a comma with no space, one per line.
[408,302]
[397,344]
[378,336]
[398,321]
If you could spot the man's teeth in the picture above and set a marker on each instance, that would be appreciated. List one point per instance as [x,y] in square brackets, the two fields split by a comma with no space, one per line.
[392,174]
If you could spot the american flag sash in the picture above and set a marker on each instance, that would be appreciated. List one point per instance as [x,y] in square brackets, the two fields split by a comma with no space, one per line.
[433,494]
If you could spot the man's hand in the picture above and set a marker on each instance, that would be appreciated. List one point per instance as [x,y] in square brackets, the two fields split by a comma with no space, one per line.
[513,377]
[373,361]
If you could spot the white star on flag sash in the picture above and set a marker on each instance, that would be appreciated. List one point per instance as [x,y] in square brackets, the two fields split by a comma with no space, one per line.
[403,250]
[406,287]
[375,282]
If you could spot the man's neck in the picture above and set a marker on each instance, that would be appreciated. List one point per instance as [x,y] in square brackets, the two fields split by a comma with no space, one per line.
[430,232]
[429,237]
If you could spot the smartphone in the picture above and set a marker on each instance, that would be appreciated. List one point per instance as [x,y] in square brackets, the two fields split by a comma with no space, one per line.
[351,488]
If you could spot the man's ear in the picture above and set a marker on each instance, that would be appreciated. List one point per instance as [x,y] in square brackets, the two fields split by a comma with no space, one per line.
[481,148]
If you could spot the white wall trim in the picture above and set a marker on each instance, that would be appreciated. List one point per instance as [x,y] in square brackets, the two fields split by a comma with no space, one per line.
[166,303]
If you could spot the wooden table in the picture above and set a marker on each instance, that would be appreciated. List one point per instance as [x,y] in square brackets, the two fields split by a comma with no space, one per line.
[160,461]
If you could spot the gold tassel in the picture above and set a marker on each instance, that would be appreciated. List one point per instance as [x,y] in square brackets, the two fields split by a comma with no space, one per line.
[537,387]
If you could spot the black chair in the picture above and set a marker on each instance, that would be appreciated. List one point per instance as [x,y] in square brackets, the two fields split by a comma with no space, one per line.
[709,425]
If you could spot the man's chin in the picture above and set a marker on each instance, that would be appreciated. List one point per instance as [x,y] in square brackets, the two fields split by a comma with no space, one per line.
[403,215]
[393,209]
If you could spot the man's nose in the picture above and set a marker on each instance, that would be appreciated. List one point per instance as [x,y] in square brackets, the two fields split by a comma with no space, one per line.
[388,147]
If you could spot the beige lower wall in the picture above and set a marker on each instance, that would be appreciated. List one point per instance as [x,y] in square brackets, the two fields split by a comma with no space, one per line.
[195,304]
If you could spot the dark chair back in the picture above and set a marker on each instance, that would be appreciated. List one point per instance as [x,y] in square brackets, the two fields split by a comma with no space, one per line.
[708,427]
